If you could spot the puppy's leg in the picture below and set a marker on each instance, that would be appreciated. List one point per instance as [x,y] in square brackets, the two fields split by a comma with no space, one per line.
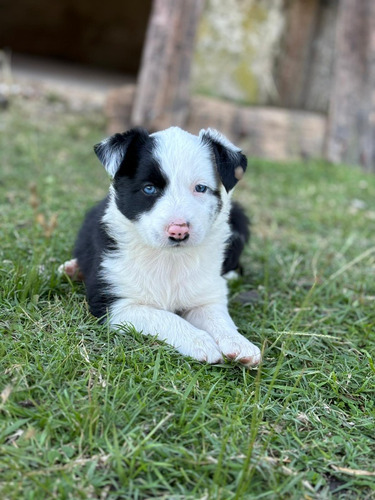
[71,268]
[167,326]
[215,320]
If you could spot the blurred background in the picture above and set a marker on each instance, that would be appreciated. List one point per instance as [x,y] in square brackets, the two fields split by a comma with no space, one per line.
[285,79]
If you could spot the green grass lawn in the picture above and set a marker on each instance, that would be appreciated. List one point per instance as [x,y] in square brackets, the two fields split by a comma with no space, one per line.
[90,413]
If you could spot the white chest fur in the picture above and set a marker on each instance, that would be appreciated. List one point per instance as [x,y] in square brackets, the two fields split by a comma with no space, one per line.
[174,279]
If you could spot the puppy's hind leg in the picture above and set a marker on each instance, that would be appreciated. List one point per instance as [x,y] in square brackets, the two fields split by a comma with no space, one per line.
[71,269]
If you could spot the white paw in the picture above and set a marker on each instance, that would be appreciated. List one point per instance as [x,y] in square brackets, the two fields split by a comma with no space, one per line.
[238,348]
[203,348]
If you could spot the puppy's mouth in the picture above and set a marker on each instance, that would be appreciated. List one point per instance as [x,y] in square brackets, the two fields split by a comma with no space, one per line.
[178,242]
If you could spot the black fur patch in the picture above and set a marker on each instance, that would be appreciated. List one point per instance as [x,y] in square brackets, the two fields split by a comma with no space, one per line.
[239,224]
[116,148]
[137,168]
[92,242]
[216,193]
[226,161]
[130,198]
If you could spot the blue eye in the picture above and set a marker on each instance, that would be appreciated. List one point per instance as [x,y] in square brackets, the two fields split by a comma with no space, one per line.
[149,189]
[200,188]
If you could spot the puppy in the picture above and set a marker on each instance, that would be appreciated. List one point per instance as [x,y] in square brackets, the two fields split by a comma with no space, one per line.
[153,252]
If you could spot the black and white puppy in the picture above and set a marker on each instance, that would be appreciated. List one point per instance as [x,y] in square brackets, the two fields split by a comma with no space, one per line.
[153,252]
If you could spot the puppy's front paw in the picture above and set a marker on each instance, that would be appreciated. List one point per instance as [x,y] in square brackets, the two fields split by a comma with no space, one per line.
[238,348]
[202,348]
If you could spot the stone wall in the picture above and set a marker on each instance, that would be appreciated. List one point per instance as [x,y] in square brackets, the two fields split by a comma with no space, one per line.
[236,48]
[266,52]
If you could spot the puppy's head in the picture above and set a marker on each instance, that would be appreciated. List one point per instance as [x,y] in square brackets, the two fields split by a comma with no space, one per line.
[171,185]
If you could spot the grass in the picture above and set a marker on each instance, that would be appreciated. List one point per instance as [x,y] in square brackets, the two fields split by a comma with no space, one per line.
[90,413]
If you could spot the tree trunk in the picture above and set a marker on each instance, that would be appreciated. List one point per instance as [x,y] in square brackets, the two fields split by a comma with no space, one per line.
[351,120]
[163,91]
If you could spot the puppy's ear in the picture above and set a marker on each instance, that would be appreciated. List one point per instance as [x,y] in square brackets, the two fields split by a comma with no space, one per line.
[113,151]
[230,162]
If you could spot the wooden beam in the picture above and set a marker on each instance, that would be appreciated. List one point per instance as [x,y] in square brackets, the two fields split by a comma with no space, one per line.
[265,132]
[292,73]
[274,133]
[351,121]
[368,142]
[163,90]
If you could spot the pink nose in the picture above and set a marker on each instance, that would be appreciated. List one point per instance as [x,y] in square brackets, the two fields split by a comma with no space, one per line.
[178,231]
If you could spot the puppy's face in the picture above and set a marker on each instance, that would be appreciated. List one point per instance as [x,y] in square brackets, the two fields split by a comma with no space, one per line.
[171,185]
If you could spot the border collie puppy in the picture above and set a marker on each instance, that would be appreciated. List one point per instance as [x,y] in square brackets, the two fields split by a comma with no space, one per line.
[153,252]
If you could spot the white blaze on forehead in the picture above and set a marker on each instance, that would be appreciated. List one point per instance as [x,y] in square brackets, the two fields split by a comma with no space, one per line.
[184,157]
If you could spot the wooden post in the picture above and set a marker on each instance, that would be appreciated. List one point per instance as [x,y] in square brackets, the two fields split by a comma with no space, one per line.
[368,142]
[292,74]
[163,91]
[351,120]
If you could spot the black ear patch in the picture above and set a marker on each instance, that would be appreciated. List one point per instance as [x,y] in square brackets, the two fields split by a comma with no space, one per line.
[230,162]
[113,150]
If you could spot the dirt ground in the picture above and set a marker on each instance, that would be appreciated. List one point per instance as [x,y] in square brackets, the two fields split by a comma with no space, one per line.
[81,87]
